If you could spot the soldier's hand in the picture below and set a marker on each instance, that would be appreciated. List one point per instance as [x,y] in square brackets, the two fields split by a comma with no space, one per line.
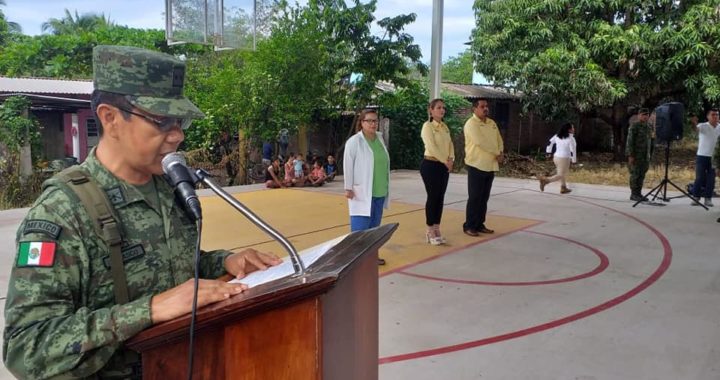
[249,260]
[178,300]
[631,160]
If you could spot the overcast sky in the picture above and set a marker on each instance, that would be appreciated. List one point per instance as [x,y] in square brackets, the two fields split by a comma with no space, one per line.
[458,17]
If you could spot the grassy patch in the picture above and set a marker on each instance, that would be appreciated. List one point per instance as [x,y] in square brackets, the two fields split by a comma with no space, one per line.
[600,169]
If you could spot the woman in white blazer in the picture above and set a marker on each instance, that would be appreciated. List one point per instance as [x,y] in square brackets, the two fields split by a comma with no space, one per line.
[366,165]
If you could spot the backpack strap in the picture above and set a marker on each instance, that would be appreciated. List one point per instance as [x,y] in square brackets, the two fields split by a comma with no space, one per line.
[107,224]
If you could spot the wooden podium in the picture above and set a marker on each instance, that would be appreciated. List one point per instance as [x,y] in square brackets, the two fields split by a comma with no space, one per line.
[323,325]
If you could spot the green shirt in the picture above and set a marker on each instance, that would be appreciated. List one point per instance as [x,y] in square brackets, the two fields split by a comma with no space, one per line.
[639,142]
[381,169]
[61,320]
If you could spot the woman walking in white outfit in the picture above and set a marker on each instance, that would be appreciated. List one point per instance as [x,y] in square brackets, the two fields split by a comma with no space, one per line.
[565,152]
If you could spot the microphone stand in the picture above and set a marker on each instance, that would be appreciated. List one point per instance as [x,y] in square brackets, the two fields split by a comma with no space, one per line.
[297,263]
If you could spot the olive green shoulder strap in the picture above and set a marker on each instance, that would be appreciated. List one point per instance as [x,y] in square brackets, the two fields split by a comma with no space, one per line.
[107,224]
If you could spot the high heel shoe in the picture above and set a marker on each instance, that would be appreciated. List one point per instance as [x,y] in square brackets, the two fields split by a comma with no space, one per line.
[432,240]
[436,232]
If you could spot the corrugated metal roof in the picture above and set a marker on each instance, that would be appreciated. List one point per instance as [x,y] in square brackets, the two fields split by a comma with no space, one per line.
[474,91]
[45,86]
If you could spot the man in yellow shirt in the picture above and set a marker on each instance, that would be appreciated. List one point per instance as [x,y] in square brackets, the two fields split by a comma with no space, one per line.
[483,156]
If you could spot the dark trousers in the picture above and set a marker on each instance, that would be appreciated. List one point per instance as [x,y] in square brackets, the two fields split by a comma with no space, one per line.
[435,176]
[637,176]
[704,177]
[479,185]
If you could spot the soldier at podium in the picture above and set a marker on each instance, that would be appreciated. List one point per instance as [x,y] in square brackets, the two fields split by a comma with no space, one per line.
[86,279]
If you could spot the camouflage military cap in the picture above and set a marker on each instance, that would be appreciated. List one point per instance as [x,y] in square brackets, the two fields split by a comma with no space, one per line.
[151,81]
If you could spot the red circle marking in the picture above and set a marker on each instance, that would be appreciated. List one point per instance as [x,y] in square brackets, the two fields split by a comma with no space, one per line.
[661,269]
[604,263]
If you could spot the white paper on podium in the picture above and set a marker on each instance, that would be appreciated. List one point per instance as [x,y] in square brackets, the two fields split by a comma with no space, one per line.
[309,256]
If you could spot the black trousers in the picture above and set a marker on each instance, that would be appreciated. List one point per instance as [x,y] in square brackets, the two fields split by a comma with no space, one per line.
[435,176]
[479,185]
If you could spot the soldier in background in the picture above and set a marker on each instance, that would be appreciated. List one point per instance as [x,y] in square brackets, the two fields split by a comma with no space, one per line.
[69,307]
[638,151]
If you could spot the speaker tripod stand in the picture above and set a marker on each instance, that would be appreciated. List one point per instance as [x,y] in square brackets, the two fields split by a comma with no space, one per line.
[662,186]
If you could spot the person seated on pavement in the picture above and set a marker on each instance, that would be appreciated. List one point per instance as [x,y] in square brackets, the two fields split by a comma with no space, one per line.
[289,177]
[330,168]
[273,179]
[317,175]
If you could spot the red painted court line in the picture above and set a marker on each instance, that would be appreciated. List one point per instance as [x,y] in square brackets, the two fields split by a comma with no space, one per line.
[662,268]
[604,263]
[457,249]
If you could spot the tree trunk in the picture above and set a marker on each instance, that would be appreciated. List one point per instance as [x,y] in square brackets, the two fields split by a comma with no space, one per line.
[26,169]
[242,175]
[618,127]
[341,150]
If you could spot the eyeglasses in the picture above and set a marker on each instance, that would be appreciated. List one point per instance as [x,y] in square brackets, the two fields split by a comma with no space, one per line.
[371,121]
[165,123]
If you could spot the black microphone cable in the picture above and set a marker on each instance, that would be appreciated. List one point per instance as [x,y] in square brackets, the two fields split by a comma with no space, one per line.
[191,346]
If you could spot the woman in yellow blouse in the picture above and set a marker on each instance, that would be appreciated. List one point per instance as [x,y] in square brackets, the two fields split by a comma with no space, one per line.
[435,168]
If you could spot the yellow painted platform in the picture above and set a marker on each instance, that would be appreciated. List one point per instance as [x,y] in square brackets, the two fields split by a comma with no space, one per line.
[309,218]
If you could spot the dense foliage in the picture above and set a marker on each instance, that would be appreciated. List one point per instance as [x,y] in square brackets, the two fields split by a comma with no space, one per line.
[458,69]
[70,24]
[16,128]
[301,74]
[407,109]
[312,63]
[599,57]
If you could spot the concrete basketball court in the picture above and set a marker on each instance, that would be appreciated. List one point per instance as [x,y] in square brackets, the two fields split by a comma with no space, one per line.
[580,286]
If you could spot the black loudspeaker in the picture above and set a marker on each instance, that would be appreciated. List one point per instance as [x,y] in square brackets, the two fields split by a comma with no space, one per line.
[669,122]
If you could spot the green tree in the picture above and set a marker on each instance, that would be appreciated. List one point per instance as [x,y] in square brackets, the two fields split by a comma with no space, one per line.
[353,51]
[458,69]
[407,109]
[598,57]
[301,71]
[278,86]
[69,56]
[70,24]
[8,26]
[16,128]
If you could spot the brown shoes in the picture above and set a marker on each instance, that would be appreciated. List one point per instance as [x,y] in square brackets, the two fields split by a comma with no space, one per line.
[478,232]
[564,190]
[471,233]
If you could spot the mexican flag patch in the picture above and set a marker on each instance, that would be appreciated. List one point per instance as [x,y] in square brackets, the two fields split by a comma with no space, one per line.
[36,254]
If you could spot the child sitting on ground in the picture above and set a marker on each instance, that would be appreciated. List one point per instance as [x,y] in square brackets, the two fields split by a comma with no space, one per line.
[298,165]
[330,168]
[317,176]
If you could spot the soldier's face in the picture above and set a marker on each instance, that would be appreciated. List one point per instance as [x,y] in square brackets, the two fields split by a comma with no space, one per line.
[145,144]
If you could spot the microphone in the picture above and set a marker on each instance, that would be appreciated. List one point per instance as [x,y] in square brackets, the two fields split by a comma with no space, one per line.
[297,262]
[179,178]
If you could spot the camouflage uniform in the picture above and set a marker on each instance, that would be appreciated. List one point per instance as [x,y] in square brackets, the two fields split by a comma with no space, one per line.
[61,317]
[639,145]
